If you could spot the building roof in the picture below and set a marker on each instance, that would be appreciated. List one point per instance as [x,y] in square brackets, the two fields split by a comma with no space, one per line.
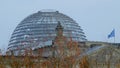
[40,27]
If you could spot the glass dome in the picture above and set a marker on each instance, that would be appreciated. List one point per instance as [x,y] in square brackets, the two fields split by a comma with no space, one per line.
[40,27]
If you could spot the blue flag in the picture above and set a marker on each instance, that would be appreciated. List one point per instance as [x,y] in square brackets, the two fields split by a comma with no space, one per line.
[112,34]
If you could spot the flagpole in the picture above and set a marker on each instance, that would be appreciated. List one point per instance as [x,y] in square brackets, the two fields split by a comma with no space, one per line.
[114,39]
[114,35]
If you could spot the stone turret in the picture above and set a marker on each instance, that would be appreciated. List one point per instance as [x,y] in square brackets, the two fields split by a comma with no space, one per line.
[59,39]
[59,29]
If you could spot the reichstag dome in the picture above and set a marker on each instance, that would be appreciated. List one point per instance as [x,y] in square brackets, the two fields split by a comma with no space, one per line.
[40,27]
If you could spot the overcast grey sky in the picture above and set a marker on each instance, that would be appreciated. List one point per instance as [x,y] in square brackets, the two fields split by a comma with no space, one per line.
[96,17]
